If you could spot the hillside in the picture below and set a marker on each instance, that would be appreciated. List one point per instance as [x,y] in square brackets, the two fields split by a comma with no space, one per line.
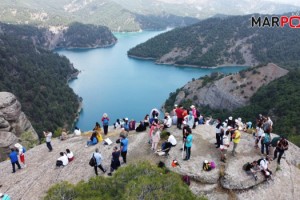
[75,35]
[268,90]
[232,182]
[227,41]
[37,77]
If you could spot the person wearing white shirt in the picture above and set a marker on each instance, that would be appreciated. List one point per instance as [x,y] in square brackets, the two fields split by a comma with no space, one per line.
[70,155]
[263,164]
[172,139]
[167,121]
[48,136]
[77,131]
[63,158]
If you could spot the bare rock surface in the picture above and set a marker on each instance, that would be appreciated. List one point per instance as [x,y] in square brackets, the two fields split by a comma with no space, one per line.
[13,123]
[231,91]
[227,181]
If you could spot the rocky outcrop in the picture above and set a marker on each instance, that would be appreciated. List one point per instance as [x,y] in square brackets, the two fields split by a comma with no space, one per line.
[13,123]
[227,181]
[232,91]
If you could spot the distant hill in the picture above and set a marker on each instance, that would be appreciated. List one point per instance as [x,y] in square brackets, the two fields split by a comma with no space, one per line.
[227,41]
[130,15]
[117,15]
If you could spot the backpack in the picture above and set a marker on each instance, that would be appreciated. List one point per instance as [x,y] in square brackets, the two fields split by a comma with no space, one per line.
[186,179]
[266,139]
[212,165]
[93,162]
[105,121]
[245,166]
[275,141]
[258,161]
[24,149]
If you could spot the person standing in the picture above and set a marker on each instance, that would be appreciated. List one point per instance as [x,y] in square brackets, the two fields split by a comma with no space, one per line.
[14,160]
[282,145]
[124,147]
[188,145]
[20,150]
[115,160]
[155,138]
[236,139]
[179,112]
[48,136]
[99,159]
[219,135]
[105,121]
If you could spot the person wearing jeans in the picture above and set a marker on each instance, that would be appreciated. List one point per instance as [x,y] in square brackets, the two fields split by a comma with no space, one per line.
[14,160]
[98,158]
[48,136]
[124,146]
[188,145]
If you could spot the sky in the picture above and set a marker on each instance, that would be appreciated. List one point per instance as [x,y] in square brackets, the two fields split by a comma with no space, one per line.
[293,2]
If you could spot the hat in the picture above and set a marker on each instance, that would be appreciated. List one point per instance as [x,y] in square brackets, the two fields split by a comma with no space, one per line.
[17,145]
[192,106]
[229,127]
[175,105]
[126,119]
[206,161]
[184,122]
[230,118]
[267,173]
[1,194]
[105,115]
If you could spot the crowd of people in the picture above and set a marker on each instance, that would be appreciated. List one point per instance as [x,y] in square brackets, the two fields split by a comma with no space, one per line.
[227,132]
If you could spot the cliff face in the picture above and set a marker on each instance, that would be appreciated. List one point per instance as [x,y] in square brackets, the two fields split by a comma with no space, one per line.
[232,91]
[13,123]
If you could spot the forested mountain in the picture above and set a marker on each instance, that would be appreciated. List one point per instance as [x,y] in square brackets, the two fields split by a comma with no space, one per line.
[37,77]
[130,15]
[225,41]
[76,35]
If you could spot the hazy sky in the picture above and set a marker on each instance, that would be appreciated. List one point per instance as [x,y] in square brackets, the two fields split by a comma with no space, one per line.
[294,2]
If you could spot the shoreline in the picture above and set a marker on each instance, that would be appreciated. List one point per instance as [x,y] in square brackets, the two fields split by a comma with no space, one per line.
[188,65]
[85,48]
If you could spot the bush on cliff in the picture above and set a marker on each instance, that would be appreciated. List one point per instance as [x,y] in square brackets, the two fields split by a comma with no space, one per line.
[135,181]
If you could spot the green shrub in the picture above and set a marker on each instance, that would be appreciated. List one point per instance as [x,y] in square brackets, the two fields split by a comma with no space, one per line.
[135,181]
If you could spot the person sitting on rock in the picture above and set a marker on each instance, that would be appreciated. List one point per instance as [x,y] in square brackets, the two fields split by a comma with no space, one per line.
[62,160]
[64,135]
[97,128]
[263,164]
[141,127]
[93,140]
[167,121]
[70,155]
[77,131]
[117,124]
[252,168]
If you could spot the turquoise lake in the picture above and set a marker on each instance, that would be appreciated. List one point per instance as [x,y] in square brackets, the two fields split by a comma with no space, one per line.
[111,82]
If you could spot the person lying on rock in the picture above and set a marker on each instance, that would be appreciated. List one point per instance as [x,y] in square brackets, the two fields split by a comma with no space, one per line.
[252,168]
[62,160]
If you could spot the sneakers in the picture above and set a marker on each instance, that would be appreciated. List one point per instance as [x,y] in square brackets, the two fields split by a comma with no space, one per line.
[109,174]
[86,146]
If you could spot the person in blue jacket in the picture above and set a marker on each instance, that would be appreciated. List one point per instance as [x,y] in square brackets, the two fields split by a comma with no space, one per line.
[14,160]
[4,197]
[93,140]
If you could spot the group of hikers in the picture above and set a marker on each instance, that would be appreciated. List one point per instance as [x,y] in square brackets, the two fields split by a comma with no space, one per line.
[227,132]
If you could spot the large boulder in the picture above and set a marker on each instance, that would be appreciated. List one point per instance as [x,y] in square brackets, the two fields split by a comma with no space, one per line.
[13,123]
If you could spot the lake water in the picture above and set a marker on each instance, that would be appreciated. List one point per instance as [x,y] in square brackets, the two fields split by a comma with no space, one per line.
[112,83]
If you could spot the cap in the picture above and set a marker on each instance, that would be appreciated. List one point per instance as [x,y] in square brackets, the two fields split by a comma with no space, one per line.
[206,161]
[126,119]
[192,106]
